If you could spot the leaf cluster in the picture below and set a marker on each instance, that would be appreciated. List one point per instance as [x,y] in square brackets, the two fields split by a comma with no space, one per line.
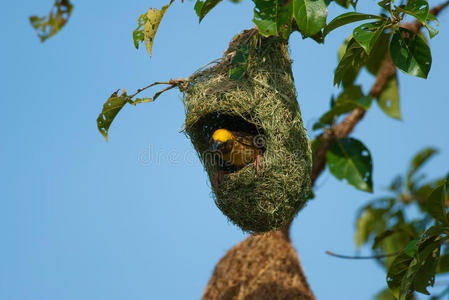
[419,243]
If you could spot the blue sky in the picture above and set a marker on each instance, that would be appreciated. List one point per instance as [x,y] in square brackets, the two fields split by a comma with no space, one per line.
[84,219]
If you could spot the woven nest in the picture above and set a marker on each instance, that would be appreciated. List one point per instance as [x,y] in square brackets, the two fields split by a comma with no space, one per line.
[264,102]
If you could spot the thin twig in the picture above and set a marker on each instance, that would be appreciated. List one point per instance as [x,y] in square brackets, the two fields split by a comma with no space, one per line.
[172,82]
[362,257]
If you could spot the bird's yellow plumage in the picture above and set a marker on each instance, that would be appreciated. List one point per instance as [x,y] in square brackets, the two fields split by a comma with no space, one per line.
[222,135]
[236,148]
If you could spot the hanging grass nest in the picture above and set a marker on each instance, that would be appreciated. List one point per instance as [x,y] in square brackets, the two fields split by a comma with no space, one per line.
[252,90]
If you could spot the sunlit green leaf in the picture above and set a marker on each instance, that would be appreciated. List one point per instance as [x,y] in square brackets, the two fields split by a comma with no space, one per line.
[153,19]
[388,99]
[348,159]
[138,34]
[110,109]
[347,18]
[50,25]
[310,15]
[410,53]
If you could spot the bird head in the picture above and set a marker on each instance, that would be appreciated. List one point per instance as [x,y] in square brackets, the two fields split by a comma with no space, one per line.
[220,139]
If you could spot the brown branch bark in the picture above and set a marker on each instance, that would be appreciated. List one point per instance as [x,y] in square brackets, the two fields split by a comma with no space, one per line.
[266,266]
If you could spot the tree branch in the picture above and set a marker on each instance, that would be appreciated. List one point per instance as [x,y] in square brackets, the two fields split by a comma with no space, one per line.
[346,126]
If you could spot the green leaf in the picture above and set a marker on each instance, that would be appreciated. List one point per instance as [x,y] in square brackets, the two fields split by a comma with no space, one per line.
[351,98]
[433,31]
[273,17]
[348,159]
[198,6]
[368,34]
[50,25]
[347,18]
[367,224]
[408,274]
[385,4]
[240,62]
[420,10]
[202,8]
[410,53]
[443,264]
[342,50]
[318,126]
[385,294]
[418,161]
[110,109]
[237,73]
[411,248]
[432,234]
[285,18]
[265,13]
[396,184]
[310,15]
[343,3]
[138,34]
[422,269]
[350,64]
[436,206]
[417,8]
[388,99]
[378,53]
[381,237]
[241,55]
[153,19]
[397,271]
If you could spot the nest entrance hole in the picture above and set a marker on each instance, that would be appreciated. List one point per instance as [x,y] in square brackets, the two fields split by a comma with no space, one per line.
[213,121]
[210,122]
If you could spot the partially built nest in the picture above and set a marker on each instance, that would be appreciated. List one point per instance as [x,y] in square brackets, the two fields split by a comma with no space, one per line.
[262,101]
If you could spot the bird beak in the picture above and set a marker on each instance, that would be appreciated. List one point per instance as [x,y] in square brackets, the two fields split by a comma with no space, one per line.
[216,146]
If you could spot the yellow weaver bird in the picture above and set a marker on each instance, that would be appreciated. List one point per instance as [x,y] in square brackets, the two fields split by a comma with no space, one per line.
[237,149]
